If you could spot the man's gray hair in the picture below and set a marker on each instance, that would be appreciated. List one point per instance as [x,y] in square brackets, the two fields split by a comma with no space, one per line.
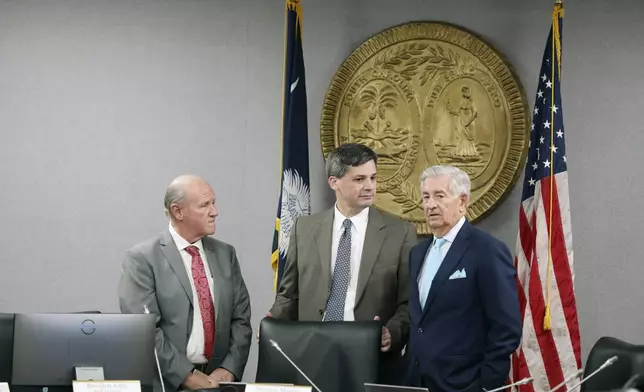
[176,191]
[459,180]
[174,194]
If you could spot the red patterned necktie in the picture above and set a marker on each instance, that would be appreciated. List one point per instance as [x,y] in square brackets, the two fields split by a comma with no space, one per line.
[205,300]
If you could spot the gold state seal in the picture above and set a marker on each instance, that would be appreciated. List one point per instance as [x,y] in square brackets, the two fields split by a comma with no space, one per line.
[421,94]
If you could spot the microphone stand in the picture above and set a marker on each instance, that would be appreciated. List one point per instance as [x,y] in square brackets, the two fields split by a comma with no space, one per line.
[567,380]
[277,347]
[606,364]
[156,356]
[526,380]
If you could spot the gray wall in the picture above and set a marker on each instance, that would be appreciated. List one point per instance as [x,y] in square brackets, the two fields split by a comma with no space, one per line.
[103,102]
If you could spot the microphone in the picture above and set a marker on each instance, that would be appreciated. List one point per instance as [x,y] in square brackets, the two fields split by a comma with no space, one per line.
[156,356]
[277,347]
[606,364]
[576,374]
[526,380]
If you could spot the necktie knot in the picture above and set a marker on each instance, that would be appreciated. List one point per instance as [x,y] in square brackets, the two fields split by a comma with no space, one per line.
[439,242]
[192,250]
[346,224]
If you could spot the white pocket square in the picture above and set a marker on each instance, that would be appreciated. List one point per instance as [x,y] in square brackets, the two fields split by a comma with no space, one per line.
[458,274]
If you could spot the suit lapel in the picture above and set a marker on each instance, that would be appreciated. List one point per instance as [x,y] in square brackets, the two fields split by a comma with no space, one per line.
[451,260]
[171,253]
[374,238]
[418,259]
[213,255]
[323,239]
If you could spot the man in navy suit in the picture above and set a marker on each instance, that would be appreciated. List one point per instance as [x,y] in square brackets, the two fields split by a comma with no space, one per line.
[464,307]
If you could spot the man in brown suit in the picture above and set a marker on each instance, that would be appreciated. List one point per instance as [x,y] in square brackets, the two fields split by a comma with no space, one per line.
[350,262]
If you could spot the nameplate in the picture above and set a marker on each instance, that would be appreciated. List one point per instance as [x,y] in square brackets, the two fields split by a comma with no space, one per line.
[276,388]
[4,387]
[106,386]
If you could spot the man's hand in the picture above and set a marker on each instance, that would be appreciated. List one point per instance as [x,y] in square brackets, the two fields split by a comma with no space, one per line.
[268,314]
[385,339]
[221,375]
[198,380]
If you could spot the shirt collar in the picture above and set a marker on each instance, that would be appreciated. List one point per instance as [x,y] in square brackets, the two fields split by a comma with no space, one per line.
[181,242]
[451,235]
[359,221]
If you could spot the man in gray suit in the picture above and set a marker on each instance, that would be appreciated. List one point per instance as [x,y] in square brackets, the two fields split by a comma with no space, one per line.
[194,285]
[350,262]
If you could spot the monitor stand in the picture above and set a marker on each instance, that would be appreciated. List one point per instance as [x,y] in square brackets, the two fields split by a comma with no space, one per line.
[85,373]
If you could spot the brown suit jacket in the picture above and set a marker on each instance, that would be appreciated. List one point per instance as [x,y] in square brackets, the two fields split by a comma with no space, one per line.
[383,279]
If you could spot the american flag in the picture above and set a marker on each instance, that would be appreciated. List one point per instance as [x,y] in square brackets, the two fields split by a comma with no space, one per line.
[550,348]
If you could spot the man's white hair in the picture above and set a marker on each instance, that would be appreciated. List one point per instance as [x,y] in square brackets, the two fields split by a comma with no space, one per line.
[459,180]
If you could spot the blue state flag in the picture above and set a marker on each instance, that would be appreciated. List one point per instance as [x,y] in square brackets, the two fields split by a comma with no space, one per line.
[295,199]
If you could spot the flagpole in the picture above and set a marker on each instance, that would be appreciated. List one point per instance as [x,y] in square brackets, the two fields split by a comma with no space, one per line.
[275,255]
[556,44]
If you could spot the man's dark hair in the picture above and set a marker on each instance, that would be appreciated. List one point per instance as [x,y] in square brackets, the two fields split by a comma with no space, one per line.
[346,155]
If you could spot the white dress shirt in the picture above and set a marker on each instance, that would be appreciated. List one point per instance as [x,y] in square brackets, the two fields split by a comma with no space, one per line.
[358,231]
[449,237]
[196,341]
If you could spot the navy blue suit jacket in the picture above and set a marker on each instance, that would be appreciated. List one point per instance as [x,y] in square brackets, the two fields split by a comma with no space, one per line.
[463,339]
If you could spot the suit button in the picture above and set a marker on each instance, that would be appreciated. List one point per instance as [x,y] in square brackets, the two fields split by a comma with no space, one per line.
[416,363]
[420,330]
[321,312]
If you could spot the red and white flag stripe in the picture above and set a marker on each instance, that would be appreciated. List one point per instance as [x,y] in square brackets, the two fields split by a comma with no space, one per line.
[549,356]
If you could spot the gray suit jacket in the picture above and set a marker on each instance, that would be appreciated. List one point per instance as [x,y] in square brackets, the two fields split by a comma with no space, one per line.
[383,279]
[154,275]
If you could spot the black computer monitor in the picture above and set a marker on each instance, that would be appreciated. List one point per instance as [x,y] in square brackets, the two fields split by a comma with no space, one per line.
[48,348]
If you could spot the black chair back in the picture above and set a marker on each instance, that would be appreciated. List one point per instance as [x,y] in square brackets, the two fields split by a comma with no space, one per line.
[6,346]
[336,356]
[630,362]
